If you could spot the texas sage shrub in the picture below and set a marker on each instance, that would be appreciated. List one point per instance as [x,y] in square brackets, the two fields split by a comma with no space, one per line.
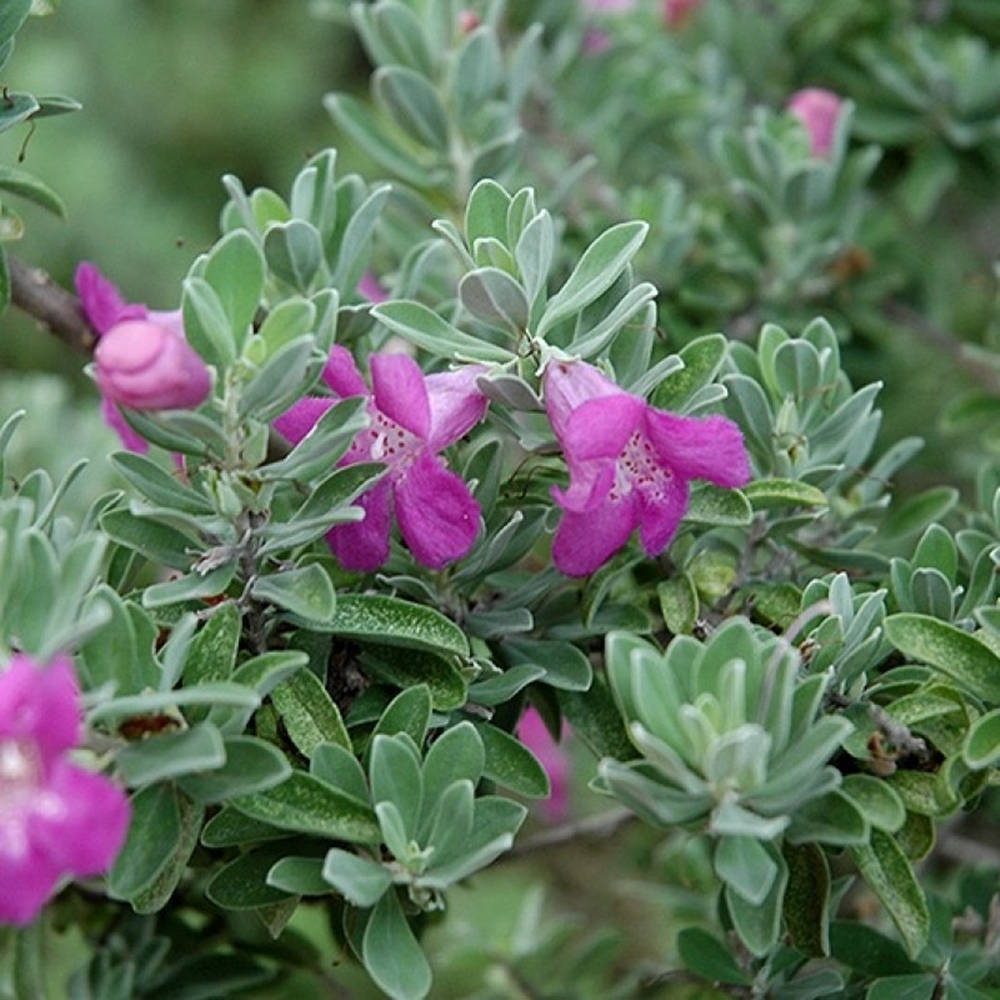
[423,476]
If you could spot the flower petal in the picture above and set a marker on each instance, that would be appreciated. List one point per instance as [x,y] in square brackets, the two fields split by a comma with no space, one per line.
[600,428]
[700,447]
[400,393]
[28,879]
[81,820]
[114,419]
[589,484]
[362,546]
[438,516]
[456,404]
[534,734]
[41,705]
[369,287]
[658,520]
[584,542]
[298,420]
[341,373]
[101,301]
[568,384]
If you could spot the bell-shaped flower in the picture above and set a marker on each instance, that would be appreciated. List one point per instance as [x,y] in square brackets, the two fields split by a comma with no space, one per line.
[630,465]
[56,818]
[413,417]
[819,111]
[142,358]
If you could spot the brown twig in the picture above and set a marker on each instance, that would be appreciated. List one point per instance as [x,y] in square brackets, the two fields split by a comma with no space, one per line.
[987,377]
[601,825]
[34,292]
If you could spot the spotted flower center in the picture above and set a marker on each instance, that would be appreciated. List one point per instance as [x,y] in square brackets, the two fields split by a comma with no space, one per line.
[388,442]
[640,468]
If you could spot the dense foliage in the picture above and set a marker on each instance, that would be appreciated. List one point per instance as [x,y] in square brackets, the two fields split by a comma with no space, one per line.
[442,460]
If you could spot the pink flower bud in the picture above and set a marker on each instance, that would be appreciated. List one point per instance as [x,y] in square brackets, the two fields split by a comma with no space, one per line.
[596,42]
[146,364]
[676,12]
[369,287]
[468,21]
[819,111]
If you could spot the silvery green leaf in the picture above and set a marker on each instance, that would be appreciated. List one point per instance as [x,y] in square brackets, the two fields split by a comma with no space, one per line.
[306,592]
[294,252]
[597,270]
[478,72]
[495,157]
[206,324]
[324,445]
[391,954]
[533,253]
[236,271]
[352,254]
[655,802]
[413,103]
[312,196]
[456,755]
[395,776]
[171,755]
[746,867]
[510,390]
[190,587]
[502,687]
[359,880]
[309,714]
[418,324]
[595,340]
[486,213]
[361,127]
[494,297]
[221,693]
[759,924]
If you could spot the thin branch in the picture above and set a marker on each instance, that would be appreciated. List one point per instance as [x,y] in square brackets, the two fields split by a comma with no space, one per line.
[600,825]
[34,292]
[987,377]
[965,850]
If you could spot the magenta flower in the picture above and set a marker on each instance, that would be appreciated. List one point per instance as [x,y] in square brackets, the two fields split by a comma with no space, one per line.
[596,42]
[676,12]
[629,464]
[534,734]
[148,365]
[56,818]
[413,417]
[369,287]
[819,111]
[143,360]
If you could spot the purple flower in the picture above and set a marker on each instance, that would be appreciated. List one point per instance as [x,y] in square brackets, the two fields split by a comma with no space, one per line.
[147,364]
[143,360]
[629,464]
[413,417]
[596,42]
[534,734]
[369,287]
[819,111]
[56,818]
